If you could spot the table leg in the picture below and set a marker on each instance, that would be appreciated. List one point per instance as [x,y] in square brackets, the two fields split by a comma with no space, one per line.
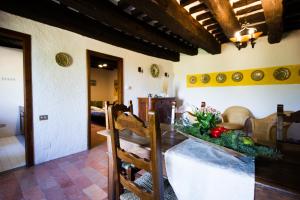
[111,172]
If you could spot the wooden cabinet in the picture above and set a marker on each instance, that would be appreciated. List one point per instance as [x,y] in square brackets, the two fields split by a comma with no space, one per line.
[162,106]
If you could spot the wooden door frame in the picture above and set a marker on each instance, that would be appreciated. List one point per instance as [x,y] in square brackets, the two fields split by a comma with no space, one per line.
[28,113]
[119,61]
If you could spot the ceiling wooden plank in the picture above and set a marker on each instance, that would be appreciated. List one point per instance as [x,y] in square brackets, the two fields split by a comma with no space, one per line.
[198,8]
[249,9]
[204,16]
[102,12]
[242,3]
[224,15]
[187,2]
[213,26]
[208,22]
[54,14]
[254,18]
[273,10]
[179,21]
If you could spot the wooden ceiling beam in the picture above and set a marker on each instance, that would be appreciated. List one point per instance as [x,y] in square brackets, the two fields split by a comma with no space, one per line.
[224,15]
[54,14]
[187,2]
[102,12]
[273,10]
[179,21]
[242,3]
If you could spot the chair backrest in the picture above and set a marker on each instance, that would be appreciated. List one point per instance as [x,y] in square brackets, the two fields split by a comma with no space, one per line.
[282,117]
[165,109]
[236,114]
[108,122]
[123,121]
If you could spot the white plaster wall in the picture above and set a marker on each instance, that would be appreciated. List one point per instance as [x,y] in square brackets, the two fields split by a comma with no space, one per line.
[261,100]
[61,93]
[12,90]
[104,89]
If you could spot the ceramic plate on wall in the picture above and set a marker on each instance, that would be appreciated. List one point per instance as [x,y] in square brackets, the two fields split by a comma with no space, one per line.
[63,59]
[154,70]
[205,78]
[257,75]
[237,76]
[193,79]
[282,74]
[221,78]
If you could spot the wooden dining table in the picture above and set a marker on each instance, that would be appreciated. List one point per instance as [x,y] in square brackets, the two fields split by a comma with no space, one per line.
[274,179]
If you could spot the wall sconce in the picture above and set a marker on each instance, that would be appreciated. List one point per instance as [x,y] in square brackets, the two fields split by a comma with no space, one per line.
[140,70]
[166,74]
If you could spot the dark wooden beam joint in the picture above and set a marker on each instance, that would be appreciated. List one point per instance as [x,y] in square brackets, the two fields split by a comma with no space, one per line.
[179,21]
[224,15]
[102,12]
[59,16]
[273,10]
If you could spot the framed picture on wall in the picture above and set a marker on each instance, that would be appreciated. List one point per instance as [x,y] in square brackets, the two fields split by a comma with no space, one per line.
[93,82]
[116,87]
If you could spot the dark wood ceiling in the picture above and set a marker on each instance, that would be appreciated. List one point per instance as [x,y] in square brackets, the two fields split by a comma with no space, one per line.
[162,28]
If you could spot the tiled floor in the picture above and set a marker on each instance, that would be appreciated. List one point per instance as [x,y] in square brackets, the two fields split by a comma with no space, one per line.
[12,152]
[79,176]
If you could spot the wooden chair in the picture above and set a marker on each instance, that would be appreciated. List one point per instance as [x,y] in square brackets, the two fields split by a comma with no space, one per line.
[108,123]
[151,184]
[234,117]
[284,118]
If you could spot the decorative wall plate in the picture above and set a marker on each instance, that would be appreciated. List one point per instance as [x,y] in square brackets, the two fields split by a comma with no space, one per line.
[221,78]
[154,70]
[282,74]
[63,59]
[257,75]
[205,78]
[193,79]
[237,76]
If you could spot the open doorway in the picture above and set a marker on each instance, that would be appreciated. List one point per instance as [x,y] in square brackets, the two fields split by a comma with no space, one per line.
[105,83]
[16,136]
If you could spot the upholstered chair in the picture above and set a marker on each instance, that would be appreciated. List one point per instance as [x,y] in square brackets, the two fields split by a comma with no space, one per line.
[264,129]
[234,117]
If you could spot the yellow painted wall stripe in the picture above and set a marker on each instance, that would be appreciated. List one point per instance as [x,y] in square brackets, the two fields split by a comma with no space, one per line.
[247,80]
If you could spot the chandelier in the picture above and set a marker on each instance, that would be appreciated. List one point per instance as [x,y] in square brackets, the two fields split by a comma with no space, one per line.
[245,35]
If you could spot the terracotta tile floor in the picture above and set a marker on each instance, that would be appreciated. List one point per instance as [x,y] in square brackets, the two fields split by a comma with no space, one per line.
[78,176]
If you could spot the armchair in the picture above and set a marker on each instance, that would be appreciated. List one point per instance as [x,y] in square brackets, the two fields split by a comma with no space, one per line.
[264,130]
[234,117]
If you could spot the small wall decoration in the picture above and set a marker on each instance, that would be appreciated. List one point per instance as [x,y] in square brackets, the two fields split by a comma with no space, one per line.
[93,82]
[282,74]
[237,76]
[63,59]
[221,78]
[205,78]
[289,74]
[193,79]
[154,70]
[257,75]
[116,87]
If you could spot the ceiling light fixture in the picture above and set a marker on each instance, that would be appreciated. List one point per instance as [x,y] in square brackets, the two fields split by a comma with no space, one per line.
[100,66]
[246,34]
